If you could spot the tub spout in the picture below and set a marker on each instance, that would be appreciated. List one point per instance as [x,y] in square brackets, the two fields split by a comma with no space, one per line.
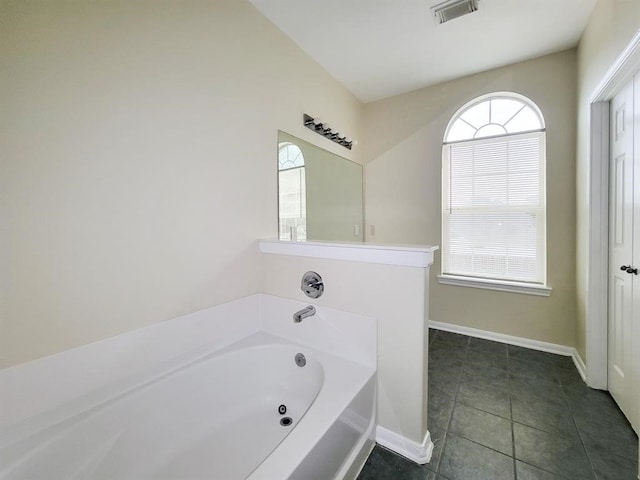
[304,313]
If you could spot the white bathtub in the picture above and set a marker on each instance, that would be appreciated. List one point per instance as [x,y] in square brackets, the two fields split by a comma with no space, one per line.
[209,412]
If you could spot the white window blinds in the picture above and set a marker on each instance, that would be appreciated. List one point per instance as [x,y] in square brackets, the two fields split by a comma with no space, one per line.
[494,208]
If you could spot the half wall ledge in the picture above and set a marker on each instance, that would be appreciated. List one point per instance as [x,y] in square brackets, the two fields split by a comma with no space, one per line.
[402,255]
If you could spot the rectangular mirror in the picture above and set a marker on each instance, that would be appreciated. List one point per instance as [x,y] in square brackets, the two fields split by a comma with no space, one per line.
[319,193]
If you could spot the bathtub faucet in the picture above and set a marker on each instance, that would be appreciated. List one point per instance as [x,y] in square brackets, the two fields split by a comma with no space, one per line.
[304,313]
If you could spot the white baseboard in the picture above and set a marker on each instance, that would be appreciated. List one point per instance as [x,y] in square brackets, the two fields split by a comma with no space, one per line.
[580,365]
[414,451]
[517,341]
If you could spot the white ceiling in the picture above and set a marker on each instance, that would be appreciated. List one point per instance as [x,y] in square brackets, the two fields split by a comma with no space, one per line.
[380,48]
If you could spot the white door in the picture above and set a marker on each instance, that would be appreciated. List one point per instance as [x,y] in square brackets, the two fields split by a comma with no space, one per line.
[635,277]
[623,343]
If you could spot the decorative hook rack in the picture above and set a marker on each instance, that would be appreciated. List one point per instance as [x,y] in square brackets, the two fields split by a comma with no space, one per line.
[323,128]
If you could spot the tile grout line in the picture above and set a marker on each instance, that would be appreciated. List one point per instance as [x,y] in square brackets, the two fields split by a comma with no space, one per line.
[446,430]
[513,434]
[490,413]
[575,424]
[513,440]
[455,398]
[475,442]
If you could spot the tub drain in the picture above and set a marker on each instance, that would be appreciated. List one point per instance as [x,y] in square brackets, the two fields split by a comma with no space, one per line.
[300,359]
[286,421]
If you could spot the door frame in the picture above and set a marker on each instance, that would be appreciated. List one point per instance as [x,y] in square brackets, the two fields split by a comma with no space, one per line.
[620,72]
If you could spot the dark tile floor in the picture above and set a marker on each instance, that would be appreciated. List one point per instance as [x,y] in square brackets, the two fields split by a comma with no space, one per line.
[503,412]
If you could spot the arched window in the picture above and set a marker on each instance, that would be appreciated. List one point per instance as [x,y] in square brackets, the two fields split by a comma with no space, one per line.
[292,195]
[493,179]
[289,156]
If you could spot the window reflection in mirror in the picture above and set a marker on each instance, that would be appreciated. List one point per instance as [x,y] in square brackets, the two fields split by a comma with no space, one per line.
[292,195]
[319,193]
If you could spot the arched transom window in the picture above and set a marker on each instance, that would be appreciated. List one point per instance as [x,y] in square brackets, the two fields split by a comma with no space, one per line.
[494,212]
[494,116]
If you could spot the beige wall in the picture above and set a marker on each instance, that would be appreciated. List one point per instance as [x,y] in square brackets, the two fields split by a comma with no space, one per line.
[611,27]
[395,296]
[138,162]
[403,152]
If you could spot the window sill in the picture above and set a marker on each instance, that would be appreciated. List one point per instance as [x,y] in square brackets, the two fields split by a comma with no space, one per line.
[499,285]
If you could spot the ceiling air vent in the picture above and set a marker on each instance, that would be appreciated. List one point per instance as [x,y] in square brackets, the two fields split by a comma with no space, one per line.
[445,11]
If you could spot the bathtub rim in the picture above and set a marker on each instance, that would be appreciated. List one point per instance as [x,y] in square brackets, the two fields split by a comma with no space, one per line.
[55,380]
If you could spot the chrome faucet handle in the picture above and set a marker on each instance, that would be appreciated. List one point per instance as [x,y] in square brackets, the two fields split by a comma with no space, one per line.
[312,285]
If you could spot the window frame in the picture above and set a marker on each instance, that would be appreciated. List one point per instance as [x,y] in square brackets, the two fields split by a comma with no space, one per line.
[539,287]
